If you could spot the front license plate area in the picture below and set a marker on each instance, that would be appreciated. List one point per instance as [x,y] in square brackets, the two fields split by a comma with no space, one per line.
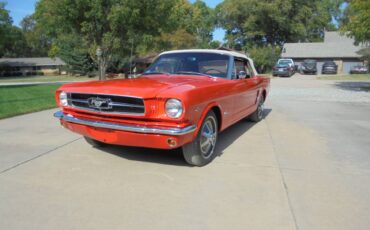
[104,135]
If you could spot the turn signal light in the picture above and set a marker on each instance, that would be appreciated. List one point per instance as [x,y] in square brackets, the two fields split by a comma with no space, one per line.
[171,142]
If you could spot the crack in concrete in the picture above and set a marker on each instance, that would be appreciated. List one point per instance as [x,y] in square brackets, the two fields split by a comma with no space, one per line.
[37,156]
[282,177]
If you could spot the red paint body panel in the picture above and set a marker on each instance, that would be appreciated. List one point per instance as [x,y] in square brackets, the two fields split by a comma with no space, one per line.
[235,99]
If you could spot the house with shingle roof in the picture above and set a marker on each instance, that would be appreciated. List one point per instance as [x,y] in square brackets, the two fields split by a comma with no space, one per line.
[30,66]
[336,47]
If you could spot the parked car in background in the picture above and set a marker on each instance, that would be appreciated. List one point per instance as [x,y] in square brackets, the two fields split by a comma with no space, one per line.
[287,61]
[358,69]
[309,66]
[183,100]
[329,67]
[283,70]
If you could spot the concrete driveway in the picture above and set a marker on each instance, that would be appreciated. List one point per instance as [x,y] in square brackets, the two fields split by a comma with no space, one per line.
[306,166]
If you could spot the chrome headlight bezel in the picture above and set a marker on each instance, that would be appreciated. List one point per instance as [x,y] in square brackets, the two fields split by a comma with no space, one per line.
[174,108]
[63,99]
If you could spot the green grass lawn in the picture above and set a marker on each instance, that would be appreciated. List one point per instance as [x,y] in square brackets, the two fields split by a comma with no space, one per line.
[16,100]
[45,79]
[352,77]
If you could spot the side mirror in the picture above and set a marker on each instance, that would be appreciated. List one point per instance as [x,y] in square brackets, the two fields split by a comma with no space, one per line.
[242,75]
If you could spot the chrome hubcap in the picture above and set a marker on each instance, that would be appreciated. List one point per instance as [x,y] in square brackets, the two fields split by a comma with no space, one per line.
[208,137]
[260,110]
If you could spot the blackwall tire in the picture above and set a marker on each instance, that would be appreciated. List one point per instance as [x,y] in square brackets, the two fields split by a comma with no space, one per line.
[201,151]
[257,115]
[95,143]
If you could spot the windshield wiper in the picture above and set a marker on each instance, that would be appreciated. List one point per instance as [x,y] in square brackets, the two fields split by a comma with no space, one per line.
[194,73]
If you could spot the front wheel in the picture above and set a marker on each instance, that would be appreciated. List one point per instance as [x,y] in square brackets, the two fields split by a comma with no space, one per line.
[257,115]
[202,150]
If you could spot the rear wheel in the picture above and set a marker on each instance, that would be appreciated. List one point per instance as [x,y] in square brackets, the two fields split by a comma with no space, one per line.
[201,151]
[95,143]
[257,115]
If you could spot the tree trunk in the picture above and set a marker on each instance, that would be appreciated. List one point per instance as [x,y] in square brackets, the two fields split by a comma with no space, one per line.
[102,68]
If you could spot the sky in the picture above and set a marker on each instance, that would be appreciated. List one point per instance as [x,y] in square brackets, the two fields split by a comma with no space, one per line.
[20,8]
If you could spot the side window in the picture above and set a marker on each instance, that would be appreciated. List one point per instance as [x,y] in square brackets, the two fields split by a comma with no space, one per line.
[248,69]
[238,66]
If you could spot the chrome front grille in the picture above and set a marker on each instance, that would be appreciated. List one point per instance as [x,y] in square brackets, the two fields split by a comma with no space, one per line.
[107,103]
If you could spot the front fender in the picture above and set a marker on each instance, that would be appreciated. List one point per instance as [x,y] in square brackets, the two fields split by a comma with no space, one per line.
[204,114]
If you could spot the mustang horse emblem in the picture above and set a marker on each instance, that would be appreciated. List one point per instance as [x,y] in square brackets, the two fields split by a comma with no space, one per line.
[99,103]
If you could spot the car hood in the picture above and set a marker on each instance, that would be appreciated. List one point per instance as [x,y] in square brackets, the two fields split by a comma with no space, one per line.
[144,86]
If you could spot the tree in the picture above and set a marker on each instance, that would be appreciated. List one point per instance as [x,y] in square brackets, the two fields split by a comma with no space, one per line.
[180,39]
[356,24]
[73,51]
[15,43]
[38,43]
[357,20]
[12,40]
[203,21]
[261,22]
[103,24]
[178,32]
[188,26]
[365,53]
[215,44]
[5,27]
[265,57]
[117,27]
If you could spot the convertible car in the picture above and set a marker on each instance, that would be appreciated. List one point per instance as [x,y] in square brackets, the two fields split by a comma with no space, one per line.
[183,100]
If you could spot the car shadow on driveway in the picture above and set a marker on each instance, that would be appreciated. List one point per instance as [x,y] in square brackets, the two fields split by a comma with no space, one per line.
[174,157]
[359,86]
[231,134]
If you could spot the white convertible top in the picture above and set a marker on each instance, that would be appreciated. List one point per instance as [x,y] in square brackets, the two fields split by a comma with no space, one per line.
[223,52]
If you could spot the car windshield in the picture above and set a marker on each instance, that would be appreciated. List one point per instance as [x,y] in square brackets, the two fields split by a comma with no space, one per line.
[207,64]
[281,62]
[309,62]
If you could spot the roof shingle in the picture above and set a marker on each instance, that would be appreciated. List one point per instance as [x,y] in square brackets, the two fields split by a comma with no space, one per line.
[41,61]
[334,46]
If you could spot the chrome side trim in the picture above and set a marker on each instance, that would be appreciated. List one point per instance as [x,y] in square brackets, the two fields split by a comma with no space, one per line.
[129,128]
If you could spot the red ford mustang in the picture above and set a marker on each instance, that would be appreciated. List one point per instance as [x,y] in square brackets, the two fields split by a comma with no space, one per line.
[184,99]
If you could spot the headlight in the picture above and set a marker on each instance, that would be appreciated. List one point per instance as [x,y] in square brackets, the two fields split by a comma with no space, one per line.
[63,101]
[174,108]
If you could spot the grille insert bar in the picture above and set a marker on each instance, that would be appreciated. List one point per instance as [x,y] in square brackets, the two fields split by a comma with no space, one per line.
[107,103]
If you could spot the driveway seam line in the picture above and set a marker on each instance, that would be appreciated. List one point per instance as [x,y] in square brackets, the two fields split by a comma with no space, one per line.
[282,177]
[38,156]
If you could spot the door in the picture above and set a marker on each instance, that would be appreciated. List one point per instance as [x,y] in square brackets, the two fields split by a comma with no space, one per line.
[245,88]
[255,83]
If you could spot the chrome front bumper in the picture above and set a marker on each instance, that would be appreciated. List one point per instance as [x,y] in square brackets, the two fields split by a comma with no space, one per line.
[128,128]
